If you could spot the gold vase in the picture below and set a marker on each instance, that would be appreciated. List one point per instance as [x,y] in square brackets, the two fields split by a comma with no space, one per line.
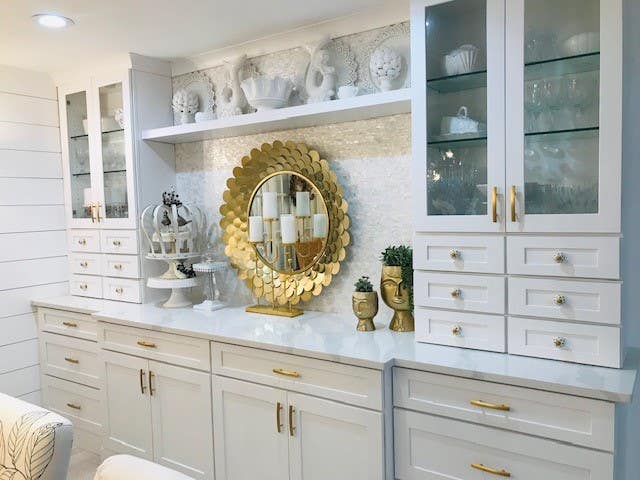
[396,296]
[365,306]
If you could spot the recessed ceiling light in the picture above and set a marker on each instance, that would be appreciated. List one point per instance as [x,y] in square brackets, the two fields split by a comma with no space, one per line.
[51,20]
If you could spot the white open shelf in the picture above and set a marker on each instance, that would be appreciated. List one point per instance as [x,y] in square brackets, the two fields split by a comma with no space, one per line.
[335,111]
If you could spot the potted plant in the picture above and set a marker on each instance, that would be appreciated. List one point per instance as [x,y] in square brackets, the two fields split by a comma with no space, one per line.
[396,286]
[365,304]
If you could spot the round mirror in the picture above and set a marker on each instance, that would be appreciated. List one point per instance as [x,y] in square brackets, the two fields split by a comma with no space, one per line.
[288,222]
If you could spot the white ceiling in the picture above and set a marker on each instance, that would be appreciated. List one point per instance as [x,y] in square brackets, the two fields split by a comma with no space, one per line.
[167,29]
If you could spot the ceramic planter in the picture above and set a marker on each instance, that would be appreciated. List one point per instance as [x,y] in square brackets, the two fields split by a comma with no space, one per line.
[396,296]
[365,306]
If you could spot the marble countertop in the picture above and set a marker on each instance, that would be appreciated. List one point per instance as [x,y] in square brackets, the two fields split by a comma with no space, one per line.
[333,337]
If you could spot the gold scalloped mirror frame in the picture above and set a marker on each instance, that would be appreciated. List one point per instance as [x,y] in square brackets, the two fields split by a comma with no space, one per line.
[261,163]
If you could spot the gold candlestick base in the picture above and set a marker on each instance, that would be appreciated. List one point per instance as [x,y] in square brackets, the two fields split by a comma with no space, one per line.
[288,312]
[402,321]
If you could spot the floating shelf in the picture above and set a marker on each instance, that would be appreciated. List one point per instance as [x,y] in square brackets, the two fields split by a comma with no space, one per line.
[335,111]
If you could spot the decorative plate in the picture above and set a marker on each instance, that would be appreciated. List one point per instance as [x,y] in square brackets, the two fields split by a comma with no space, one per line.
[200,84]
[344,61]
[397,38]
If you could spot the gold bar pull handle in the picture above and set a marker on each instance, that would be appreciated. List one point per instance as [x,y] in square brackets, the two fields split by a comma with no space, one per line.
[492,406]
[74,406]
[91,207]
[492,471]
[292,429]
[151,389]
[494,204]
[512,195]
[142,387]
[142,343]
[70,324]
[278,417]
[98,217]
[71,360]
[286,373]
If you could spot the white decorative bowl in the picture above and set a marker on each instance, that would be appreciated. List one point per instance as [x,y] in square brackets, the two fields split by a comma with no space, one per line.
[582,43]
[267,93]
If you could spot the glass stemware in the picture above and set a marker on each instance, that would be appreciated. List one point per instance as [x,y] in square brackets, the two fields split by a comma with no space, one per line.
[533,104]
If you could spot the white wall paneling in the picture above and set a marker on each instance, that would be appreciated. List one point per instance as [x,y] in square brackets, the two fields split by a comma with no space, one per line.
[32,237]
[34,398]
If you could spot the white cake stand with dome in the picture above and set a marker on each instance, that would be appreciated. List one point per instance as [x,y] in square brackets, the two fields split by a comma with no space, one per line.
[212,293]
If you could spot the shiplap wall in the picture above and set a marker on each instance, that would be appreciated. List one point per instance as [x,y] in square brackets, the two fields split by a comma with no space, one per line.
[32,223]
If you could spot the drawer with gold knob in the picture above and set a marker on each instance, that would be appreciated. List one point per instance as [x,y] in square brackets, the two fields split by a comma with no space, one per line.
[430,447]
[578,257]
[87,241]
[86,286]
[72,324]
[119,241]
[458,329]
[472,293]
[585,301]
[123,266]
[85,263]
[560,340]
[576,420]
[70,358]
[479,254]
[82,405]
[123,289]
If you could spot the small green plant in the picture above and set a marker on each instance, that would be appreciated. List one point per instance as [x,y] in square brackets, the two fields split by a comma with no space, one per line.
[364,284]
[401,256]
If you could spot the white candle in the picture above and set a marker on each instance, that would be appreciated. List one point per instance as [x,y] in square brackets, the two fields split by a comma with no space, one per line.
[320,225]
[88,197]
[256,229]
[303,208]
[288,229]
[270,205]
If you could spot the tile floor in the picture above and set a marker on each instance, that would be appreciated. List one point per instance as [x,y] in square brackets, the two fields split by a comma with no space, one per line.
[83,465]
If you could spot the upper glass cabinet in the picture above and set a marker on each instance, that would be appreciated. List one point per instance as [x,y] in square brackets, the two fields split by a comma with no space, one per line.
[460,129]
[563,170]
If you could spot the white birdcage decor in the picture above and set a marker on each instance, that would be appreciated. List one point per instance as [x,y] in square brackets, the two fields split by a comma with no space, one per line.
[173,233]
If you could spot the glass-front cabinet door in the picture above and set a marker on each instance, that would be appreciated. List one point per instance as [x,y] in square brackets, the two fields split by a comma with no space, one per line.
[81,183]
[115,155]
[458,78]
[563,115]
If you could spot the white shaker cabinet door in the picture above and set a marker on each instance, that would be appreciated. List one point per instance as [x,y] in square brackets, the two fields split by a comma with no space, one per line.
[329,440]
[251,431]
[181,417]
[128,405]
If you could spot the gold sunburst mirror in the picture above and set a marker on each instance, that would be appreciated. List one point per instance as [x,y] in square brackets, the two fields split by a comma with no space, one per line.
[285,225]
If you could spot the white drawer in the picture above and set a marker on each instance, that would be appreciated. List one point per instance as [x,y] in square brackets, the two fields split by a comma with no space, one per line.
[70,359]
[87,241]
[123,289]
[119,241]
[85,286]
[474,293]
[565,299]
[482,254]
[82,405]
[433,448]
[457,329]
[345,383]
[85,263]
[67,323]
[124,266]
[591,257]
[566,418]
[571,342]
[164,347]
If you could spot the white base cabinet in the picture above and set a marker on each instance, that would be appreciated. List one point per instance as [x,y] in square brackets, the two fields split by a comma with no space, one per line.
[159,412]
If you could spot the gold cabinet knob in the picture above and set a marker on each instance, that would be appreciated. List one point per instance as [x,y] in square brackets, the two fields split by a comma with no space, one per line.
[457,330]
[559,299]
[119,290]
[118,266]
[116,243]
[82,241]
[454,254]
[559,257]
[559,341]
[456,293]
[84,264]
[84,286]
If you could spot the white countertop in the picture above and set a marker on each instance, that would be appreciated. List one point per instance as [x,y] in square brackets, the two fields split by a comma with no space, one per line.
[334,337]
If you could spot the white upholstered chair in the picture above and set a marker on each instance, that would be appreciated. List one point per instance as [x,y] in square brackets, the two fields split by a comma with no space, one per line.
[126,467]
[35,444]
